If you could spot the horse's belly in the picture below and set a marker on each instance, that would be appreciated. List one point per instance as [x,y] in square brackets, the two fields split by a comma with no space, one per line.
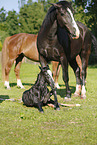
[32,53]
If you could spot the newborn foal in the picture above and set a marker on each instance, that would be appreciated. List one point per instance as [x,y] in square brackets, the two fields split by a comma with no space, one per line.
[38,95]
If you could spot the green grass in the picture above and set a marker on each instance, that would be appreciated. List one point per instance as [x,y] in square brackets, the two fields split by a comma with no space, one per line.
[21,125]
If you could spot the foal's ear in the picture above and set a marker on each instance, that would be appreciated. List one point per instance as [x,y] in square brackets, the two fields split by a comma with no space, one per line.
[55,5]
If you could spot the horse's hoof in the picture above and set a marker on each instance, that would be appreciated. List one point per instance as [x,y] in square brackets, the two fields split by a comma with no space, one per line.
[83,96]
[58,108]
[21,87]
[76,94]
[67,99]
[8,88]
[41,111]
[57,86]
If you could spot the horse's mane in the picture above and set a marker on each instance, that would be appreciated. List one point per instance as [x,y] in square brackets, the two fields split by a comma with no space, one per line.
[51,14]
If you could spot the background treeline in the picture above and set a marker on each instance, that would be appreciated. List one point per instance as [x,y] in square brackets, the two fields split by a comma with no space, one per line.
[31,15]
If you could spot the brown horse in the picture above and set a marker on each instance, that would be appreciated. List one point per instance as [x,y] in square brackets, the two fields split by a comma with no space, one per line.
[14,49]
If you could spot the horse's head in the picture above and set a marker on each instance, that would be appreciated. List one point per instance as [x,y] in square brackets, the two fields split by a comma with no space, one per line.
[65,18]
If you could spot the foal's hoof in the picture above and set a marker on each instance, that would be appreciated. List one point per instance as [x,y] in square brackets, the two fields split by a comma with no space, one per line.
[67,99]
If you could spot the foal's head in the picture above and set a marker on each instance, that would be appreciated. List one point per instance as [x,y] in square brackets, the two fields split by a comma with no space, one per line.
[65,18]
[45,73]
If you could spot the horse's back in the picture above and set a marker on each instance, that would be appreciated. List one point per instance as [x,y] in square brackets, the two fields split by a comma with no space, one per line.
[29,47]
[23,43]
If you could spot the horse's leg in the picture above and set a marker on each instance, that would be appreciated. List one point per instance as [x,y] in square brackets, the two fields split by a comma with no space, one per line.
[64,64]
[50,81]
[85,59]
[76,70]
[7,70]
[55,72]
[17,70]
[79,62]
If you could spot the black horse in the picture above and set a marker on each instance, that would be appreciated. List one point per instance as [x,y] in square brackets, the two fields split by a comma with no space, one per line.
[81,46]
[48,45]
[39,95]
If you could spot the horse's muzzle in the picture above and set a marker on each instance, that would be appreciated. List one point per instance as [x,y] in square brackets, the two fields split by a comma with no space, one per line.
[76,36]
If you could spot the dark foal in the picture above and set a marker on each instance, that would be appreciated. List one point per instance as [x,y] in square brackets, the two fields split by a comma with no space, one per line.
[39,95]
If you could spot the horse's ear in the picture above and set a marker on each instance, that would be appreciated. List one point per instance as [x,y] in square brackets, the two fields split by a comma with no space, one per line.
[55,5]
[47,66]
[39,67]
[70,3]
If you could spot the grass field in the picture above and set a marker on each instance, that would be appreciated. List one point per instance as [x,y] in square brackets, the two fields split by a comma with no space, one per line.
[20,125]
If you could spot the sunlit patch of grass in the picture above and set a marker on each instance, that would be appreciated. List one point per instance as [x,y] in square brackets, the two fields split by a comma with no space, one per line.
[71,125]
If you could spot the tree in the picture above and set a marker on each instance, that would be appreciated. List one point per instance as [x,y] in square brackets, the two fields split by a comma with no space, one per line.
[2,19]
[12,23]
[31,17]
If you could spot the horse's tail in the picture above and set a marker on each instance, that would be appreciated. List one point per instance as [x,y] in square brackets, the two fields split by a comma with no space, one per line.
[4,57]
[94,42]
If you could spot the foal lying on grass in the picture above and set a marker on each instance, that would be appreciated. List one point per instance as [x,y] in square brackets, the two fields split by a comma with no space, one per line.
[39,95]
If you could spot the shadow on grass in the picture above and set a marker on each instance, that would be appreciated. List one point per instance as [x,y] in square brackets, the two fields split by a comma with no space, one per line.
[62,90]
[3,97]
[15,84]
[93,66]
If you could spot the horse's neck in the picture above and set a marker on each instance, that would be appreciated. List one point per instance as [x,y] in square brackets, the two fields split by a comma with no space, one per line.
[53,30]
[49,27]
[40,80]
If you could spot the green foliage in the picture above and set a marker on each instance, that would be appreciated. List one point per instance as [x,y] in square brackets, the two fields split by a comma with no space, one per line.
[2,15]
[90,17]
[2,19]
[21,125]
[31,17]
[12,23]
[3,35]
[0,46]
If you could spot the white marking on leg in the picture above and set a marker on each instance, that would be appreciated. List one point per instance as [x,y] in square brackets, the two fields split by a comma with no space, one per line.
[19,84]
[50,73]
[6,84]
[57,86]
[83,93]
[78,90]
[74,24]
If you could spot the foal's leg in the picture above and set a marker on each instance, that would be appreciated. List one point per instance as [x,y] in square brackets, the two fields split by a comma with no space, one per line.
[50,81]
[17,70]
[76,70]
[7,70]
[40,107]
[55,72]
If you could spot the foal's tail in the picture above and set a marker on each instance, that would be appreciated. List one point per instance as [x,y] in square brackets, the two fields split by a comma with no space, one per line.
[94,41]
[4,57]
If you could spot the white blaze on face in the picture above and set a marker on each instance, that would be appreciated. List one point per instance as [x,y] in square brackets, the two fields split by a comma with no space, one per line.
[74,24]
[50,73]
